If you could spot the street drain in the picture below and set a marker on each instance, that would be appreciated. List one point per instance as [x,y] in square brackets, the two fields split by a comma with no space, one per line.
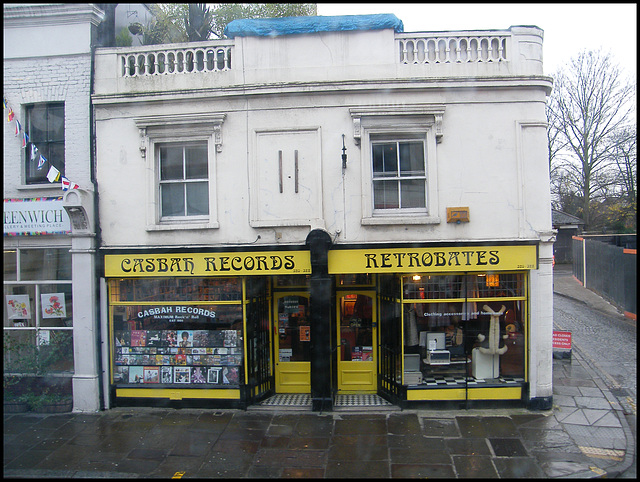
[599,453]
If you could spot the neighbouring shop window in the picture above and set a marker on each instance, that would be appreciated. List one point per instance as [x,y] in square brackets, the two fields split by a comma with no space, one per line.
[45,128]
[294,329]
[178,332]
[38,311]
[184,180]
[356,328]
[457,326]
[399,175]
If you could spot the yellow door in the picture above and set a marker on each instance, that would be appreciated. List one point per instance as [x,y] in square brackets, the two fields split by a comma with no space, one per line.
[292,338]
[357,342]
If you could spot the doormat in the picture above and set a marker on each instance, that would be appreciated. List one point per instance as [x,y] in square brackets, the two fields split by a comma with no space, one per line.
[288,400]
[361,400]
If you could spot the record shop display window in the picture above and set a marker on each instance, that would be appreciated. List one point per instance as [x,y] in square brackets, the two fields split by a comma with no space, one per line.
[177,332]
[458,326]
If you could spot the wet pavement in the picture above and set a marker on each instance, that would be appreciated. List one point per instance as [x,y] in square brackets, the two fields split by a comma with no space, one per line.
[585,435]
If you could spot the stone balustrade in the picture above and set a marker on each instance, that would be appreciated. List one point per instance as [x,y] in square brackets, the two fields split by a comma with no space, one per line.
[167,60]
[453,47]
[288,61]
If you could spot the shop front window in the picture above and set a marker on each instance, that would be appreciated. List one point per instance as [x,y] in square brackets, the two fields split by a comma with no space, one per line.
[458,326]
[38,311]
[177,332]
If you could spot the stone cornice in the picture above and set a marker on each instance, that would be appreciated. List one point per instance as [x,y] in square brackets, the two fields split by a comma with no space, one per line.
[16,15]
[309,88]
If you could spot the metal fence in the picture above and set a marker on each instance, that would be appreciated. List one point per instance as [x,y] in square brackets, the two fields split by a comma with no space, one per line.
[607,266]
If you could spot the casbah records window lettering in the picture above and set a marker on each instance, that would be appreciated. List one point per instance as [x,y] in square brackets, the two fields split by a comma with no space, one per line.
[177,332]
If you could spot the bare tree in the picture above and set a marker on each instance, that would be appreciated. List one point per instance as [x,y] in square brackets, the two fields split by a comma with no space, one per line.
[624,156]
[591,104]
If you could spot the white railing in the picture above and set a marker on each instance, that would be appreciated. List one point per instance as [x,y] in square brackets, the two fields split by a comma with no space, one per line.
[157,60]
[440,48]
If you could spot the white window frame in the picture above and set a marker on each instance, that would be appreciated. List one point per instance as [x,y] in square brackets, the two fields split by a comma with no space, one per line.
[182,182]
[179,129]
[397,123]
[37,284]
[397,178]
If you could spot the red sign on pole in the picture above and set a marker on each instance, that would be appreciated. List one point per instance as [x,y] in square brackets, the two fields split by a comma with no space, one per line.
[562,340]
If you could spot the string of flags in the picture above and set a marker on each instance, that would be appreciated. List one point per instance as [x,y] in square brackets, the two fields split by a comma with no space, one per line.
[54,174]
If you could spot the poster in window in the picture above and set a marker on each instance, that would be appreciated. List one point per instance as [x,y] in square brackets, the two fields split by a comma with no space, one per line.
[213,375]
[182,374]
[53,305]
[230,337]
[185,339]
[138,337]
[18,307]
[305,332]
[230,375]
[121,374]
[201,338]
[135,374]
[151,374]
[170,337]
[154,338]
[44,337]
[198,375]
[166,374]
[123,338]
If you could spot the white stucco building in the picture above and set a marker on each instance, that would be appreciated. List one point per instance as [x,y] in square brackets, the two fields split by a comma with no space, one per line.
[326,206]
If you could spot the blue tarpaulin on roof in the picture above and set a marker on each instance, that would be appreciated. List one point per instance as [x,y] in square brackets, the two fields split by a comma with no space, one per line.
[257,27]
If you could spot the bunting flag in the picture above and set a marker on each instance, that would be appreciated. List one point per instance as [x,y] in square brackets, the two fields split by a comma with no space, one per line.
[53,175]
[11,115]
[4,103]
[67,184]
[34,152]
[41,162]
[18,127]
[25,139]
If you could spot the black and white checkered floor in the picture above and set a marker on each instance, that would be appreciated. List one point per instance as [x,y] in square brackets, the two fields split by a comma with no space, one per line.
[361,400]
[453,381]
[303,401]
[300,400]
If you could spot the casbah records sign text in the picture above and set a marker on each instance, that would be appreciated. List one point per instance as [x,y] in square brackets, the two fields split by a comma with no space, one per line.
[208,264]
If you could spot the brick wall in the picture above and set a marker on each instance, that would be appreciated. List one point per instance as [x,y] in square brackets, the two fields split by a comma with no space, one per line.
[55,79]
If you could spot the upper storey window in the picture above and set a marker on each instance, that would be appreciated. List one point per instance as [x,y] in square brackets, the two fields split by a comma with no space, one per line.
[184,180]
[399,175]
[45,127]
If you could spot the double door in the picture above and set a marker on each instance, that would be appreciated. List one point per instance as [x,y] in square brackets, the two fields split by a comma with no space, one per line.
[356,340]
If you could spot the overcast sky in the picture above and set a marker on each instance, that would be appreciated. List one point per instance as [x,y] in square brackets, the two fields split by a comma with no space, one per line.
[568,28]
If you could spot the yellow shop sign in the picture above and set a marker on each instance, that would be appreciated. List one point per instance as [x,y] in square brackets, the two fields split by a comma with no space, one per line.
[208,264]
[410,260]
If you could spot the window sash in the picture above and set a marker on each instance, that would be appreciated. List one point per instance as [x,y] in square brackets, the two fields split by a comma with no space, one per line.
[399,175]
[45,127]
[183,181]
